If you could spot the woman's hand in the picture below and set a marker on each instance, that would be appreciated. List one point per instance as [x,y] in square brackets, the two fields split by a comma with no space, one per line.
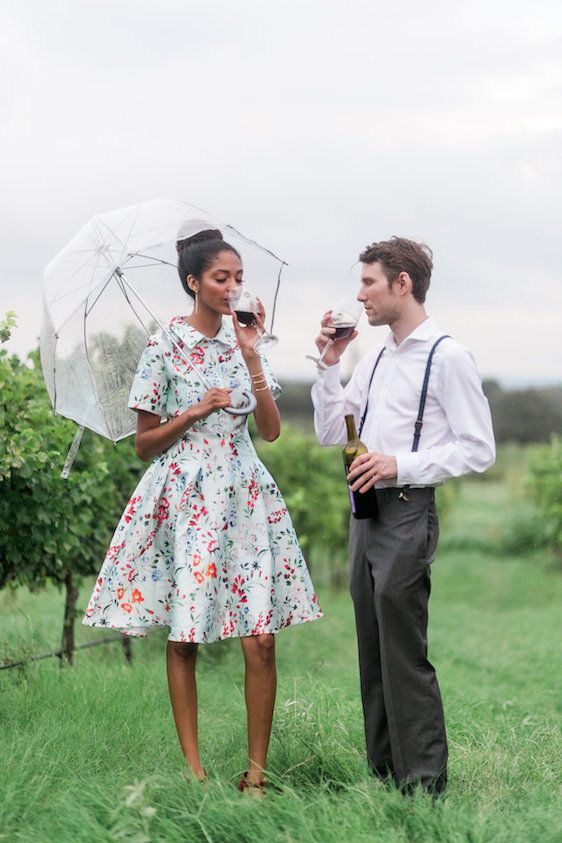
[338,347]
[213,400]
[248,335]
[153,437]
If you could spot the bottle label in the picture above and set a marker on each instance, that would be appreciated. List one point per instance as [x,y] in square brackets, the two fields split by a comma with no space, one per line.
[351,498]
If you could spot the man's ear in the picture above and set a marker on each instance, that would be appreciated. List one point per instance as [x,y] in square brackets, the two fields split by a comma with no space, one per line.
[405,283]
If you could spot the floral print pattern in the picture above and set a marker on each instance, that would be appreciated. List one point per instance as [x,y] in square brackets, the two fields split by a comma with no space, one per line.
[205,545]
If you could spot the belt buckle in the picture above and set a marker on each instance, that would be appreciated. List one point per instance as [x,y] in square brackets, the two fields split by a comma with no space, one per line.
[403,495]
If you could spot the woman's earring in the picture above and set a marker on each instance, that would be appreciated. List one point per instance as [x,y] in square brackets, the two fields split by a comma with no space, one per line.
[195,308]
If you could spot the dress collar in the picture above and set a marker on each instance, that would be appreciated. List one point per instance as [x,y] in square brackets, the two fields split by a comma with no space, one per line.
[192,337]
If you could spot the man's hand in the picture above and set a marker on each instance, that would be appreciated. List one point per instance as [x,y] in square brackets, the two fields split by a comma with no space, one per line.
[338,347]
[368,469]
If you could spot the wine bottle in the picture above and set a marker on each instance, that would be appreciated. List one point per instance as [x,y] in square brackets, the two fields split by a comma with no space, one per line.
[363,505]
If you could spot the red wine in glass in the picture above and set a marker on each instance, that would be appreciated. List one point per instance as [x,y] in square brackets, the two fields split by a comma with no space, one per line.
[245,317]
[342,331]
[246,306]
[344,318]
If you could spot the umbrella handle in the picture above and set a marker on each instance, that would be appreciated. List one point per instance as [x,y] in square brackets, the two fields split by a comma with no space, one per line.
[247,407]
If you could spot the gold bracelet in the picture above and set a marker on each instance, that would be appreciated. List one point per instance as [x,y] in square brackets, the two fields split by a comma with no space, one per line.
[261,389]
[257,376]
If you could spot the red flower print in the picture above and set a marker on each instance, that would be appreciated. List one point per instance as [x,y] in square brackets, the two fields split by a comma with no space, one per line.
[211,570]
[131,509]
[137,596]
[163,513]
[114,550]
[127,608]
[237,589]
[276,516]
[120,593]
[252,493]
[196,559]
[199,577]
[198,355]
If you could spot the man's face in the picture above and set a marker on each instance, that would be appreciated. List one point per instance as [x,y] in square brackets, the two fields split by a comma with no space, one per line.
[378,297]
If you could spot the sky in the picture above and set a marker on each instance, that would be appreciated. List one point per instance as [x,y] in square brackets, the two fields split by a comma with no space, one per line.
[314,128]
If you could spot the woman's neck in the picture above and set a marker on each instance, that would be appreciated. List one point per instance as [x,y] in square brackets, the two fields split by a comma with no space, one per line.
[206,321]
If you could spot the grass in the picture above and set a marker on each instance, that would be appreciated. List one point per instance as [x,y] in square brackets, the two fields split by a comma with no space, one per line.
[90,753]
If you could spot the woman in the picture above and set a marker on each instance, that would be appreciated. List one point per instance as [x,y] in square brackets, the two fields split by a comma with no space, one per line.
[205,545]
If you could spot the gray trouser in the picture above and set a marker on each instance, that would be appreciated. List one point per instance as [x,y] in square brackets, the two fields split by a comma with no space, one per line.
[390,585]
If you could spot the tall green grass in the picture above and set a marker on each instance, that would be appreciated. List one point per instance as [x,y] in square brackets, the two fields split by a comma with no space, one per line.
[89,753]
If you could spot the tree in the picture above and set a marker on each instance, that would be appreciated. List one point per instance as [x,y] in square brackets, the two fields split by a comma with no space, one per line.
[53,529]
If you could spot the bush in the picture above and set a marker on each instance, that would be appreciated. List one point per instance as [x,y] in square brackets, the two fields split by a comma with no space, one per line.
[544,481]
[312,481]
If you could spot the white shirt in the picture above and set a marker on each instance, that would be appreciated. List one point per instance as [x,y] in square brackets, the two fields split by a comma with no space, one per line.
[456,437]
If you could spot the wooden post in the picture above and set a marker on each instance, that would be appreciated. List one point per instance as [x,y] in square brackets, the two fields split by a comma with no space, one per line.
[67,643]
[127,649]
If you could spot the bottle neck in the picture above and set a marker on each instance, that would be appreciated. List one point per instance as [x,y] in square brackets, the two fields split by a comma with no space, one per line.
[350,424]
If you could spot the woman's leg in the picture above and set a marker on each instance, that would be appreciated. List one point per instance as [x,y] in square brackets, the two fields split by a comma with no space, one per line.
[180,662]
[260,686]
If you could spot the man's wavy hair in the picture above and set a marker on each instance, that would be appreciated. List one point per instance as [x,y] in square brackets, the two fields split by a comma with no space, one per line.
[401,255]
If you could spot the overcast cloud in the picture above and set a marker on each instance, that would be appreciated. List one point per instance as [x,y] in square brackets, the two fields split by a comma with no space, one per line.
[315,128]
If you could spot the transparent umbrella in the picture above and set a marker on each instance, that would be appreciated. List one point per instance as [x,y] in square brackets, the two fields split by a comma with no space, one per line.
[111,286]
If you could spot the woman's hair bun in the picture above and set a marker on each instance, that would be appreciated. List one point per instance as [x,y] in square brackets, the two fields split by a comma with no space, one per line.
[199,237]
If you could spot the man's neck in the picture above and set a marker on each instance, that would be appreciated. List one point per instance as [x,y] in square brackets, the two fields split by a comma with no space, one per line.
[407,322]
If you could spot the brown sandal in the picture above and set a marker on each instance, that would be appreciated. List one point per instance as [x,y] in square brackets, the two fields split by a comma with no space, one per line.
[252,788]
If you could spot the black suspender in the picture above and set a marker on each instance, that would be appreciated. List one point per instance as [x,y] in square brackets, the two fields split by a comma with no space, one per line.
[364,416]
[419,421]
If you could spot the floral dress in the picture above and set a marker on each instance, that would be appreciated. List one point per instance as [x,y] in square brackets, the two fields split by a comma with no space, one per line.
[205,545]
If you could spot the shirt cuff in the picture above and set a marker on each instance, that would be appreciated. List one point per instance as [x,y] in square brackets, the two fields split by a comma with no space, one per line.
[407,469]
[329,376]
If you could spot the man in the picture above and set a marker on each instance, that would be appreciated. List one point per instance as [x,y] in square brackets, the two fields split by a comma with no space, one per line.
[418,435]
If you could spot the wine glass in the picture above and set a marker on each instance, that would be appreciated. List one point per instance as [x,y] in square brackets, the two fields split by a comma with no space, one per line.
[246,307]
[344,318]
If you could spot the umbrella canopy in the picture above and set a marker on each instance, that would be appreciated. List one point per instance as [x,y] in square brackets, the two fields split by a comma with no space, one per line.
[108,289]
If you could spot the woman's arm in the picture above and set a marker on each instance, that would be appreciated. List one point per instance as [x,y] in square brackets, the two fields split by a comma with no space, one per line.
[266,414]
[153,437]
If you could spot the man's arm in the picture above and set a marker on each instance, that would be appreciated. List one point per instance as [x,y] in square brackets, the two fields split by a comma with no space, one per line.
[468,415]
[332,402]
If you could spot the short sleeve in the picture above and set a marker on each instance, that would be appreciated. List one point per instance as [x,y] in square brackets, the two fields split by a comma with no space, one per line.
[272,381]
[150,384]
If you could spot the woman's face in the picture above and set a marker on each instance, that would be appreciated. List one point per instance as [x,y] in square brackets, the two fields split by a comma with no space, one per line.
[224,274]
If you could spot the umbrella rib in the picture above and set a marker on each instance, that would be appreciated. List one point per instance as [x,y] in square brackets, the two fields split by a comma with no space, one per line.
[130,303]
[150,258]
[90,370]
[255,243]
[199,374]
[271,321]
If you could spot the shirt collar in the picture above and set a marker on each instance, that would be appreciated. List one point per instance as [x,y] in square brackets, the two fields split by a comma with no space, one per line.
[191,337]
[423,332]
